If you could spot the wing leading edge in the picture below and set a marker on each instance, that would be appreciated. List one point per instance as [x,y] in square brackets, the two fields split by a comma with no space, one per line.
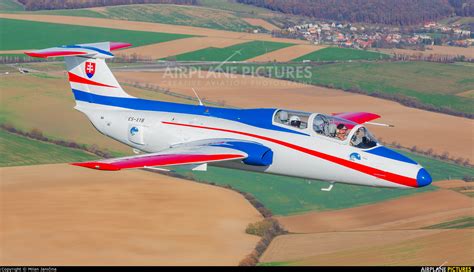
[172,156]
[199,152]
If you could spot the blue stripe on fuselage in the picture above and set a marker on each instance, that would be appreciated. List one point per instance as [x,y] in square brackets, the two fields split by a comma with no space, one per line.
[261,118]
[388,153]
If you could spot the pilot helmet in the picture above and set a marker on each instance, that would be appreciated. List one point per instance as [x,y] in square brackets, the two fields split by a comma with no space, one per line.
[295,121]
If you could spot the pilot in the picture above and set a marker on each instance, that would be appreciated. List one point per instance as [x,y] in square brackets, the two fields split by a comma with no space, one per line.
[362,140]
[341,132]
[357,138]
[295,121]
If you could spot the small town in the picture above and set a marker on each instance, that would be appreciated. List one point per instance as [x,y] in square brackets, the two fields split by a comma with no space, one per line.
[377,36]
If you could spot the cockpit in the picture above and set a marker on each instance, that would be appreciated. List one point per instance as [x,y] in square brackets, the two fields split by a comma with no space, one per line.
[295,119]
[332,127]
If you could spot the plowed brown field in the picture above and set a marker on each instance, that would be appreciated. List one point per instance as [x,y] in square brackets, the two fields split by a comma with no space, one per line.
[67,215]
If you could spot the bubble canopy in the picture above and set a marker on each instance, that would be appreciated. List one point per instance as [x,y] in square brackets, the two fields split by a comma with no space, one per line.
[326,126]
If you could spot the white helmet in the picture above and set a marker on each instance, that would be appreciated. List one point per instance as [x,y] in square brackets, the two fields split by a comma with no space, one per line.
[295,121]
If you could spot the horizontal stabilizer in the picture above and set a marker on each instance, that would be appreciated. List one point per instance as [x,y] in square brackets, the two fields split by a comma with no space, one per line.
[100,50]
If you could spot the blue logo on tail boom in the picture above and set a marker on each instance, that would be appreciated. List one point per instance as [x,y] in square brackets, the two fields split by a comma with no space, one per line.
[133,131]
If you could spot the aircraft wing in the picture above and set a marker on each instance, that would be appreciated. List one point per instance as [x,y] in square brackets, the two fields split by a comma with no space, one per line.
[357,117]
[198,152]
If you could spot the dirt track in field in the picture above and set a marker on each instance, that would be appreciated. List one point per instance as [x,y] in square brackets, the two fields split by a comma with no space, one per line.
[287,53]
[412,126]
[66,215]
[145,26]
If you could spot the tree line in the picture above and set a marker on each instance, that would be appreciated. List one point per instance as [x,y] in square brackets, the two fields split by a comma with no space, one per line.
[400,12]
[74,4]
[463,7]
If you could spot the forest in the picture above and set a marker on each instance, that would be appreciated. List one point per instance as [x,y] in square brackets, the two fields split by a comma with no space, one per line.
[399,12]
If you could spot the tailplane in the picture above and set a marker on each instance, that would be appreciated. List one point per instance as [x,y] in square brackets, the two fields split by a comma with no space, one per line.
[89,75]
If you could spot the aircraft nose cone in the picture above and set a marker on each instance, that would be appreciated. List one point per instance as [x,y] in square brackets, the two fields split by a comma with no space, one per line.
[423,178]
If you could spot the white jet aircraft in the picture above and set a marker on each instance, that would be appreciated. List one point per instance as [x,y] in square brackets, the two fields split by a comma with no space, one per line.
[336,148]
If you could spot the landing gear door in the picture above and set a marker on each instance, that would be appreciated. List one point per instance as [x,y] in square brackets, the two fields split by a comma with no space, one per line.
[136,133]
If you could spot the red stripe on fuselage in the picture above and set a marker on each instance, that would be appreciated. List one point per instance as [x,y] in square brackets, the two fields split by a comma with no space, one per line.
[349,164]
[77,79]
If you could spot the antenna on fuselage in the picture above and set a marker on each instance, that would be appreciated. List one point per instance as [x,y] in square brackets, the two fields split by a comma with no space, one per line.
[379,124]
[197,96]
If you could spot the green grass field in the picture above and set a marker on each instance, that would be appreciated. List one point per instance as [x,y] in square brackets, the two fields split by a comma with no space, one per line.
[198,16]
[461,223]
[431,83]
[341,54]
[286,195]
[234,7]
[72,12]
[247,50]
[28,35]
[10,5]
[18,150]
[179,15]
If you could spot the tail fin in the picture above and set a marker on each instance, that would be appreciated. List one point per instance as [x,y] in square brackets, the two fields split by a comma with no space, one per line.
[88,73]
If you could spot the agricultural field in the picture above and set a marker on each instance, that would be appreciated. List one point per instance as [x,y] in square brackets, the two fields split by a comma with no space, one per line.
[261,23]
[287,53]
[70,215]
[18,150]
[221,15]
[92,12]
[147,27]
[435,84]
[391,248]
[431,83]
[461,223]
[341,54]
[457,20]
[10,5]
[248,11]
[33,101]
[31,35]
[434,50]
[165,14]
[442,218]
[179,15]
[237,52]
[177,47]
